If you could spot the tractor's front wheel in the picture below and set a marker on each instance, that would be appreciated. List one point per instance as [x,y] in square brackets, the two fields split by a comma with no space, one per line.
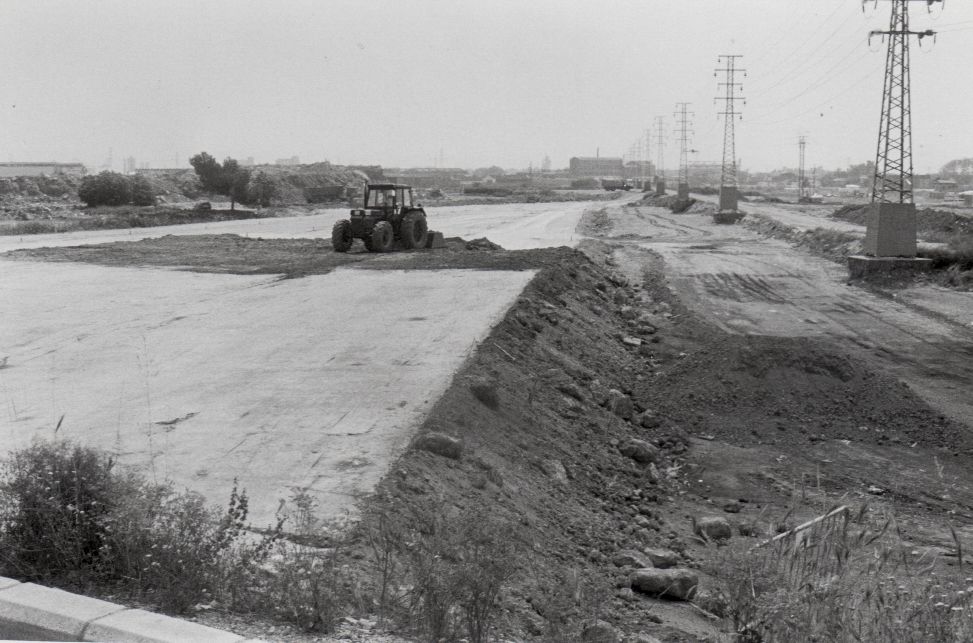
[381,238]
[341,238]
[412,231]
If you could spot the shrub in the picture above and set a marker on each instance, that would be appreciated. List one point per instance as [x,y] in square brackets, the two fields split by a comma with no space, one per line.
[105,188]
[53,499]
[458,568]
[142,192]
[68,518]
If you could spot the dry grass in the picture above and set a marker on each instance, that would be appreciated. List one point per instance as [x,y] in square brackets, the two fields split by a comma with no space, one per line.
[848,578]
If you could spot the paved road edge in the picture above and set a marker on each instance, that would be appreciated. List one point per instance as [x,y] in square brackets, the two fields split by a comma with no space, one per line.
[34,612]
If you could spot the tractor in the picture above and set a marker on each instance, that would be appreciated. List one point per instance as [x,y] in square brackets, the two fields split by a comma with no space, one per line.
[390,214]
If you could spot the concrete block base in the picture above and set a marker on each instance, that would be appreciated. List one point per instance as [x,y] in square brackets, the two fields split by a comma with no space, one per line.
[891,230]
[435,240]
[728,198]
[682,191]
[862,267]
[660,187]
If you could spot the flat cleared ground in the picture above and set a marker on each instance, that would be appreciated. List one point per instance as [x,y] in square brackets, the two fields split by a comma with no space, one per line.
[749,284]
[292,384]
[513,226]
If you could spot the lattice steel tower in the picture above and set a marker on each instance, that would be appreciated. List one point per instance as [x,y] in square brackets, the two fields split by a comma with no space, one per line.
[893,159]
[801,174]
[728,173]
[683,132]
[660,146]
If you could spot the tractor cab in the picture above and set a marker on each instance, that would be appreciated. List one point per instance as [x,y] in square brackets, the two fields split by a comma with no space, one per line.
[391,199]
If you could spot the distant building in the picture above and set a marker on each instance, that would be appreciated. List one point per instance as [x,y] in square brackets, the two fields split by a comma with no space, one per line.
[36,169]
[597,166]
[129,165]
[294,160]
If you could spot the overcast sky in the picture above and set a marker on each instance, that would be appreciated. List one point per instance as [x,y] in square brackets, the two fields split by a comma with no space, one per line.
[506,82]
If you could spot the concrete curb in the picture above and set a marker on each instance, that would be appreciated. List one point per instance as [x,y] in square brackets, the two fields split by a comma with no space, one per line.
[29,611]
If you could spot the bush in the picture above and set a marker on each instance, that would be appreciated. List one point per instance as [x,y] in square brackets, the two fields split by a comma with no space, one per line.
[142,192]
[53,500]
[68,518]
[106,188]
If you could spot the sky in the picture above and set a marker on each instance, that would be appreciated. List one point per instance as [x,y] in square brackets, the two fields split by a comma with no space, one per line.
[462,83]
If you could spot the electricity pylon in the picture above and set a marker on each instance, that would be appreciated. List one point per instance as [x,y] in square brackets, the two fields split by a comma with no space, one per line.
[683,131]
[660,145]
[728,173]
[891,225]
[801,175]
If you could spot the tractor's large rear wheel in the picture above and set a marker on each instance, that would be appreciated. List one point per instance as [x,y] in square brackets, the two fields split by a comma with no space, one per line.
[381,238]
[413,230]
[341,237]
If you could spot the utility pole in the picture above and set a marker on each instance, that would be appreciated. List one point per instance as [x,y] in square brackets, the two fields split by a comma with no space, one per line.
[646,156]
[683,131]
[660,145]
[891,223]
[728,175]
[801,176]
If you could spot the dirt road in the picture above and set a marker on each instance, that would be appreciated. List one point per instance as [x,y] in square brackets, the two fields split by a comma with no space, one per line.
[753,285]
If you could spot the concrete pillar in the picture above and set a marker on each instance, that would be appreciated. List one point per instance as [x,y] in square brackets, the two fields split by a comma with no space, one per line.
[891,230]
[728,198]
[660,186]
[682,191]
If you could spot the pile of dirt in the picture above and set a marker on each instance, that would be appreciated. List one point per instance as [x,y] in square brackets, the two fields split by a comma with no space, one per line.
[823,242]
[931,224]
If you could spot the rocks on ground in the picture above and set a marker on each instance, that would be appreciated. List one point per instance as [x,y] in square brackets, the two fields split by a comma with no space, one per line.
[676,583]
[440,444]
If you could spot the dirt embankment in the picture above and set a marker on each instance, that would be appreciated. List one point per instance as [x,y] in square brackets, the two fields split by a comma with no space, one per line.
[544,441]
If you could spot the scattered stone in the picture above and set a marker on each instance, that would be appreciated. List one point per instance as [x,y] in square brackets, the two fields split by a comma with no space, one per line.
[678,583]
[642,637]
[440,444]
[713,603]
[556,470]
[599,632]
[662,558]
[571,390]
[731,508]
[620,404]
[640,451]
[713,528]
[648,420]
[628,340]
[631,558]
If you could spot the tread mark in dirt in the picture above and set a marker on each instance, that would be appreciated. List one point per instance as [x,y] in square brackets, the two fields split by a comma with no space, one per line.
[738,287]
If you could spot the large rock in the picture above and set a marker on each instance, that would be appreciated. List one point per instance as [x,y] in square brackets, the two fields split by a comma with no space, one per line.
[620,404]
[661,558]
[599,632]
[648,420]
[713,528]
[631,558]
[440,444]
[678,584]
[640,451]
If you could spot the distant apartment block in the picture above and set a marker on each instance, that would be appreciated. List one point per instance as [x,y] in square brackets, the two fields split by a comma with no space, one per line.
[36,169]
[597,166]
